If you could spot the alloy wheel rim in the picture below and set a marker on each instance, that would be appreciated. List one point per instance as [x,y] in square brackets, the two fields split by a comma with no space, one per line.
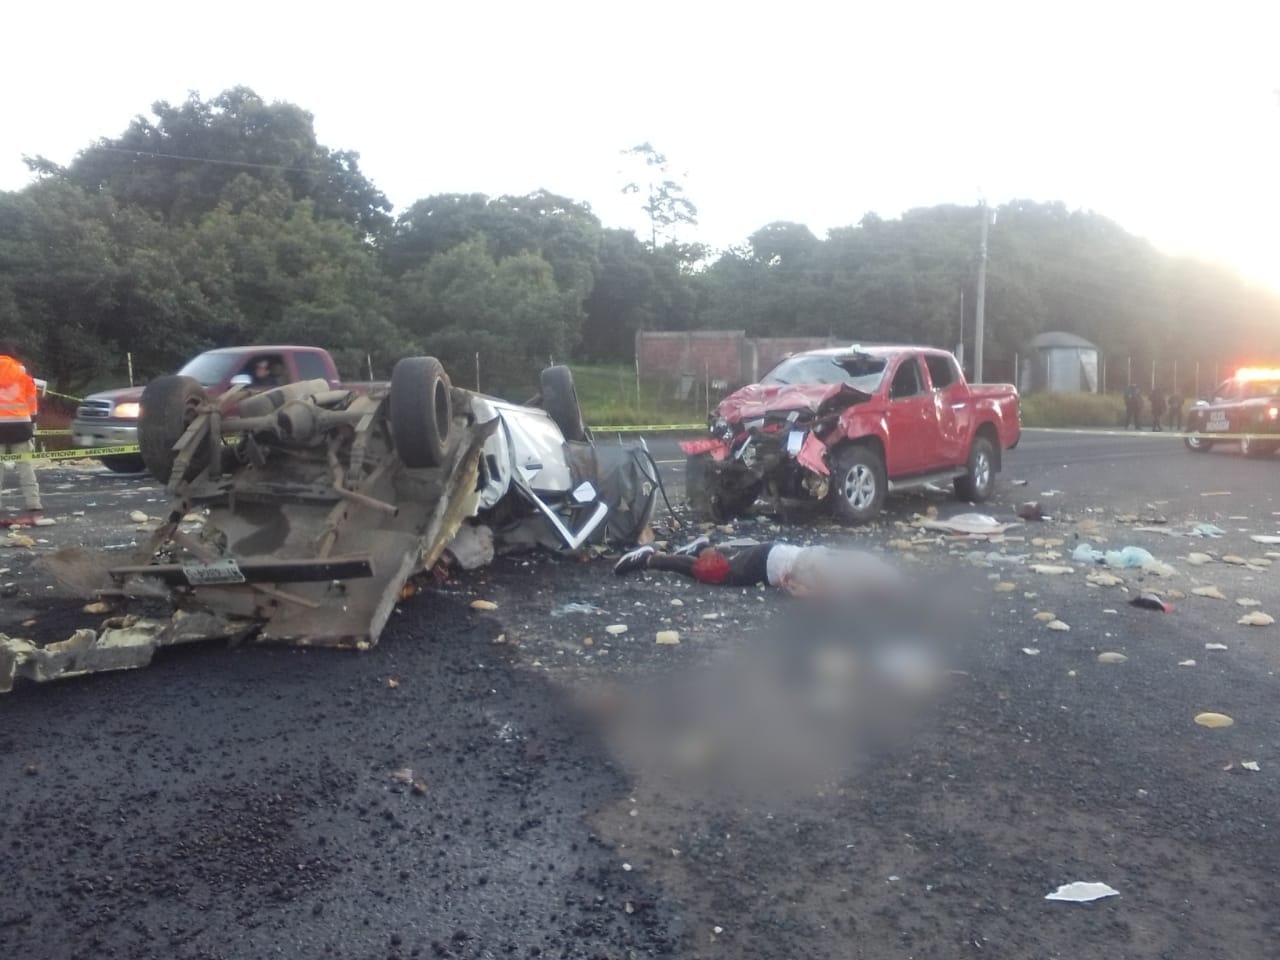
[860,486]
[982,471]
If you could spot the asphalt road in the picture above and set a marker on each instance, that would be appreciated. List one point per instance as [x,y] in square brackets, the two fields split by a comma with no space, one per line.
[242,803]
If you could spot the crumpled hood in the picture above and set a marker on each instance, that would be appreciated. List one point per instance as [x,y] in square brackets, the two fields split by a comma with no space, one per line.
[759,399]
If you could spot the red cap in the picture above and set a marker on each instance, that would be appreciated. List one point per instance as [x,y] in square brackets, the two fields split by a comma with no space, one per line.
[711,567]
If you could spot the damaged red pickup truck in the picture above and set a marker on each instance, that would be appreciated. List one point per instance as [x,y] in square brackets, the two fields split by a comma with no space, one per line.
[848,426]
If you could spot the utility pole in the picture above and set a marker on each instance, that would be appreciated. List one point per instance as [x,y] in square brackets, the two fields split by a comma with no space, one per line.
[960,349]
[982,297]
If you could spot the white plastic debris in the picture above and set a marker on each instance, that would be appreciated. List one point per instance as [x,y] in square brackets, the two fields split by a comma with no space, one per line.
[137,516]
[1215,646]
[1250,765]
[1264,538]
[1031,651]
[1082,891]
[616,629]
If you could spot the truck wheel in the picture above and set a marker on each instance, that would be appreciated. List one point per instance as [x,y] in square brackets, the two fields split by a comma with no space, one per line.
[1254,448]
[980,479]
[560,400]
[697,493]
[421,411]
[124,463]
[1197,443]
[169,404]
[858,484]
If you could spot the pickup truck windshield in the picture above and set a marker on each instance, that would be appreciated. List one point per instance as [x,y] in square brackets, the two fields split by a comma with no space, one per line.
[212,369]
[859,371]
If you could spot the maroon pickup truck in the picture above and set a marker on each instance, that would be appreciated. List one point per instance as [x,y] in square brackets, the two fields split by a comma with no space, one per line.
[849,425]
[110,418]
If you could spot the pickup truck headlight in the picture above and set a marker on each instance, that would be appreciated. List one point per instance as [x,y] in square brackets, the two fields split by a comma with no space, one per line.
[127,411]
[1273,413]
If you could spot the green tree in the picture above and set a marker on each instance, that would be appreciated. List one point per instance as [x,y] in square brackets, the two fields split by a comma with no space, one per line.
[665,204]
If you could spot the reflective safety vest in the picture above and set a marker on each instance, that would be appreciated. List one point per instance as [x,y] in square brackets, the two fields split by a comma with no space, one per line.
[17,392]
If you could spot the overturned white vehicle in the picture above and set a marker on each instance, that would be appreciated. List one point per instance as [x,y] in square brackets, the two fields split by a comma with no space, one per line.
[300,514]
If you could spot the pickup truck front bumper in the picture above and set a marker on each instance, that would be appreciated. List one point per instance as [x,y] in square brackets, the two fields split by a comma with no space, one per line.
[89,433]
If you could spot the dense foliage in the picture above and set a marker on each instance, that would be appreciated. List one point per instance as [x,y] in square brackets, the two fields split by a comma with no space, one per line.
[225,221]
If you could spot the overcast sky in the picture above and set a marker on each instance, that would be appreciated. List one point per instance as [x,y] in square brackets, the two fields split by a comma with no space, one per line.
[1163,116]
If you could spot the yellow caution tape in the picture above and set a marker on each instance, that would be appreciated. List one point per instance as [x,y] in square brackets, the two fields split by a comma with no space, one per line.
[651,428]
[65,396]
[1212,436]
[53,433]
[80,453]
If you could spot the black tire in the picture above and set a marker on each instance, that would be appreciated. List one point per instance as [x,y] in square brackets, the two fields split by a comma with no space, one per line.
[1255,449]
[697,493]
[1197,444]
[858,484]
[421,411]
[560,400]
[124,463]
[169,404]
[979,481]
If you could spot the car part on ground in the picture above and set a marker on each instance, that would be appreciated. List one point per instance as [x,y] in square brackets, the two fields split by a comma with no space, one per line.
[300,517]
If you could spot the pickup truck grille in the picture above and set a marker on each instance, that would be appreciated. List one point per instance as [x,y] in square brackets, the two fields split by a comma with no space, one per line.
[94,410]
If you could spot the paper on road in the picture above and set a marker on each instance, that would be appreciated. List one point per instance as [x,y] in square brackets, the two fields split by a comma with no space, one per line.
[1082,892]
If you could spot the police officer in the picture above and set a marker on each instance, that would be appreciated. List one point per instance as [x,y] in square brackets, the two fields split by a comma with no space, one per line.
[1157,408]
[18,423]
[1175,410]
[1132,406]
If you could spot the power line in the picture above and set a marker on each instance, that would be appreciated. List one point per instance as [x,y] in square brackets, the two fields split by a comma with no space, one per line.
[210,160]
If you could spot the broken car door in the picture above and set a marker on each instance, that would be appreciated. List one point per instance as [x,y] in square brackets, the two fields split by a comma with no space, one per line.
[913,425]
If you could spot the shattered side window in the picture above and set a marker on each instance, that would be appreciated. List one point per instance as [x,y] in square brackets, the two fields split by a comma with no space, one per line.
[860,371]
[906,382]
[942,370]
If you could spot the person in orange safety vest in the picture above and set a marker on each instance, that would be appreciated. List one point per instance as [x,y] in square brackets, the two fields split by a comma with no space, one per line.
[18,407]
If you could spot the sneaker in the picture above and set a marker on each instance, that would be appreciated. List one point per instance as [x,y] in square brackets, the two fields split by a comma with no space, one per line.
[636,559]
[694,548]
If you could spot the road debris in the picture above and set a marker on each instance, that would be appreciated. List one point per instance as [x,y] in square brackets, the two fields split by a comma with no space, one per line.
[1186,663]
[1214,721]
[1248,602]
[1044,616]
[1151,601]
[1250,765]
[1199,559]
[574,607]
[1082,891]
[1209,591]
[668,637]
[1216,646]
[616,629]
[1057,625]
[137,516]
[967,524]
[1102,579]
[1052,570]
[404,775]
[483,605]
[1112,657]
[1265,538]
[1031,510]
[1031,651]
[1005,586]
[1256,618]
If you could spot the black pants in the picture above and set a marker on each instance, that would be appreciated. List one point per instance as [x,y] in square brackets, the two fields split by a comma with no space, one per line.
[747,565]
[16,432]
[1131,417]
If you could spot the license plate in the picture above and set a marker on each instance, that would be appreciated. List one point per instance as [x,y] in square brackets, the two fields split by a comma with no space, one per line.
[1218,421]
[215,571]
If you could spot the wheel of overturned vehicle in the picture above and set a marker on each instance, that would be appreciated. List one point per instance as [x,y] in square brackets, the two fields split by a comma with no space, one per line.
[697,493]
[169,404]
[124,463]
[560,400]
[980,477]
[858,484]
[1253,448]
[421,411]
[724,502]
[1197,443]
